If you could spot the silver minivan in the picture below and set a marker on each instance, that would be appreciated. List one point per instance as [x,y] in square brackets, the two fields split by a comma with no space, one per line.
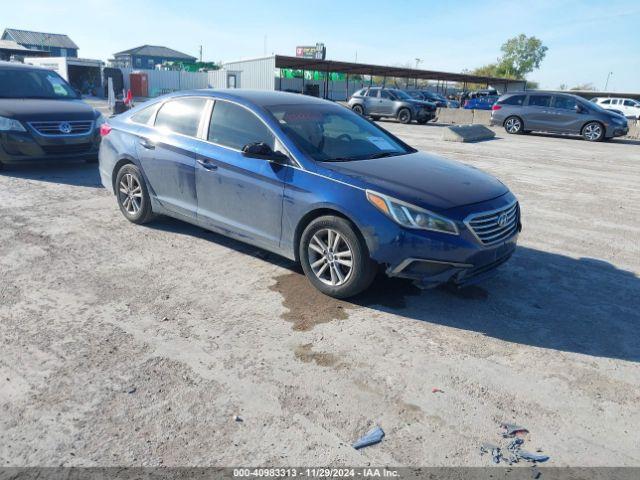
[523,112]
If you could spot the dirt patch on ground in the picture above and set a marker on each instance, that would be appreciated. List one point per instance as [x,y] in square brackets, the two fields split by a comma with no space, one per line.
[305,354]
[307,307]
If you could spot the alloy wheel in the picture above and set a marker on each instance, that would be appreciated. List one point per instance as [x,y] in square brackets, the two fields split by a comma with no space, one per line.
[330,257]
[592,131]
[130,194]
[513,125]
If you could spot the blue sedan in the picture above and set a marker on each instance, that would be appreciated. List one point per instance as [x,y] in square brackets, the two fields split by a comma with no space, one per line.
[312,181]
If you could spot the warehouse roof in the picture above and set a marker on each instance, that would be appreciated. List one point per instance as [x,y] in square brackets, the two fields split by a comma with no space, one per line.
[301,63]
[42,39]
[155,51]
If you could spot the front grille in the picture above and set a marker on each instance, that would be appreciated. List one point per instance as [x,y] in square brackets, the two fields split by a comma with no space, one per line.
[66,149]
[61,128]
[495,226]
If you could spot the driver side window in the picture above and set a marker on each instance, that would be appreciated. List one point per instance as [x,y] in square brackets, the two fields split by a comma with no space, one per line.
[234,126]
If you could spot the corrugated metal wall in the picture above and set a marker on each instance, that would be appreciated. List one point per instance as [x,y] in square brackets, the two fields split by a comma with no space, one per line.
[164,81]
[337,90]
[255,74]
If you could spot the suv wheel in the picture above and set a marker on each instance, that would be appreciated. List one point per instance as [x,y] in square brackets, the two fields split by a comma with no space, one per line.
[513,125]
[132,195]
[334,258]
[593,132]
[404,115]
[358,109]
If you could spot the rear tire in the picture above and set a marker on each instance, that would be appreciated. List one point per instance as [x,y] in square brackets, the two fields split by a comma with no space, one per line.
[593,132]
[513,125]
[358,109]
[335,258]
[132,195]
[404,115]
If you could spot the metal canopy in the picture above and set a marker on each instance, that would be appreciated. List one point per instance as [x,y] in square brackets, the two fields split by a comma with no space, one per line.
[299,63]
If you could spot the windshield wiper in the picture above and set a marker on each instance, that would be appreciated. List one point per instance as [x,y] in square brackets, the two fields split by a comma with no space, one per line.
[383,155]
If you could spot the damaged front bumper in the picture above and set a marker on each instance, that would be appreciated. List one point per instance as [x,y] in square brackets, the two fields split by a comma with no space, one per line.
[429,273]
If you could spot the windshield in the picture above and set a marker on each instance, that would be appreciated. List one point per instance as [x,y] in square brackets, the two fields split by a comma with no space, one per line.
[332,133]
[402,94]
[25,83]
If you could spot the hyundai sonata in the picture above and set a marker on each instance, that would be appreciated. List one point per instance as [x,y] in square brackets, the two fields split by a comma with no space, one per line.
[312,181]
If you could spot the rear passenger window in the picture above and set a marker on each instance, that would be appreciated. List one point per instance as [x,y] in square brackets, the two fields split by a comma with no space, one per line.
[566,103]
[372,93]
[513,100]
[181,116]
[143,115]
[540,100]
[234,126]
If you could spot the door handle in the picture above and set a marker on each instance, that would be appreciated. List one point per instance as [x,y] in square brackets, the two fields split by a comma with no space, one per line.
[147,144]
[206,164]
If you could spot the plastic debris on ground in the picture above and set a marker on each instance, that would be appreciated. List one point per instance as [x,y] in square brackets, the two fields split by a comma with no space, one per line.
[238,418]
[437,390]
[372,437]
[511,452]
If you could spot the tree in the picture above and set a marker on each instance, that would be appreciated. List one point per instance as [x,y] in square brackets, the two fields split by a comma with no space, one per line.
[522,55]
[584,87]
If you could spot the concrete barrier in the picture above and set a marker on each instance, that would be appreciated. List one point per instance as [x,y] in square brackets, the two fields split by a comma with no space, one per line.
[462,116]
[634,130]
[482,117]
[467,133]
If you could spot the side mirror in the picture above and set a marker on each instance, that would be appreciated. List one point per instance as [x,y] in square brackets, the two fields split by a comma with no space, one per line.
[263,151]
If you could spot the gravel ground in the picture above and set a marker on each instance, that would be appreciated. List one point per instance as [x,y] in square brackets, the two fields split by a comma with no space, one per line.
[127,345]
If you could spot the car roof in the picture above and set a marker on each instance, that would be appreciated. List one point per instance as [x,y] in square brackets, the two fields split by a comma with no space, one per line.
[262,98]
[18,65]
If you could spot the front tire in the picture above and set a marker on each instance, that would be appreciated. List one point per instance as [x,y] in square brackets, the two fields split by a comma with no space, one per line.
[513,125]
[335,258]
[593,132]
[404,115]
[358,109]
[132,195]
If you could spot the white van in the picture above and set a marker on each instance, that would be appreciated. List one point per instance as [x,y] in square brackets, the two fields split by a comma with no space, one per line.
[628,106]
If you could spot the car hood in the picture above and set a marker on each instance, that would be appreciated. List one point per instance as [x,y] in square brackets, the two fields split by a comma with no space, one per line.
[27,109]
[422,179]
[422,103]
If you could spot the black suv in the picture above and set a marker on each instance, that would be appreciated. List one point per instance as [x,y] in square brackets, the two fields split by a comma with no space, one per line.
[43,118]
[378,102]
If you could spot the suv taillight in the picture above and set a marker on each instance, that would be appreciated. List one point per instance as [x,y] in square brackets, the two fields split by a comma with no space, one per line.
[496,107]
[105,129]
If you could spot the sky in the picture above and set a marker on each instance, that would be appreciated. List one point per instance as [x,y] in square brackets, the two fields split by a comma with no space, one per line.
[586,39]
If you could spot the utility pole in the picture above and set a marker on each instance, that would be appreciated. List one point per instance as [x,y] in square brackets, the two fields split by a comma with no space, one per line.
[200,53]
[418,61]
[265,45]
[607,82]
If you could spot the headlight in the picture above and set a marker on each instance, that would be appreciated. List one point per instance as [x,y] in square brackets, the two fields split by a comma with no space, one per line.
[411,216]
[10,125]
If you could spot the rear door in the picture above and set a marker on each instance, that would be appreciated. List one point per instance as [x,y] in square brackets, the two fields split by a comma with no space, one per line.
[236,194]
[167,152]
[537,114]
[372,101]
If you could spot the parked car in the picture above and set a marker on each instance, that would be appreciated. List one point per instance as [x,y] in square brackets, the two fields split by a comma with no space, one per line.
[312,181]
[483,102]
[42,118]
[629,107]
[523,112]
[378,102]
[436,98]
